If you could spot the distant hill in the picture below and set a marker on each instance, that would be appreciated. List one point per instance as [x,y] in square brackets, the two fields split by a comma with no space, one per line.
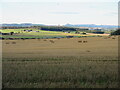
[66,25]
[21,25]
[92,25]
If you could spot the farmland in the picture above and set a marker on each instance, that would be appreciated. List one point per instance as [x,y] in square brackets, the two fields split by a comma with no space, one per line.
[61,62]
[36,33]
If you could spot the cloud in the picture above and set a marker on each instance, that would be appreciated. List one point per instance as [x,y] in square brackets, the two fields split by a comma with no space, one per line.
[113,13]
[110,14]
[60,0]
[64,12]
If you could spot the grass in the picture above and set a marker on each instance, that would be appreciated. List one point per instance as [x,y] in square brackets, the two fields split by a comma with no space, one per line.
[10,30]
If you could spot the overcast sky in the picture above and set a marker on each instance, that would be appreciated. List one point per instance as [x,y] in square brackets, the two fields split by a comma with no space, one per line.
[54,12]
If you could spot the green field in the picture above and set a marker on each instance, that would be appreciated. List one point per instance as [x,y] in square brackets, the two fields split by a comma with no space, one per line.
[19,33]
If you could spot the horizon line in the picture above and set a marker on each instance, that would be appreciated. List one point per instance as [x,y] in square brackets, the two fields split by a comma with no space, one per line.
[60,24]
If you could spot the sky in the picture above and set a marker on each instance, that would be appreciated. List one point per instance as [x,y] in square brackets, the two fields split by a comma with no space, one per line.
[60,12]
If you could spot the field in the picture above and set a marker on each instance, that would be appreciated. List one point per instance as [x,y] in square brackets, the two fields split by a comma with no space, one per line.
[20,33]
[86,62]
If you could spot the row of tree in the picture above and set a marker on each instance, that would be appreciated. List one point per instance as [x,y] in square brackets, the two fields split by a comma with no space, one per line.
[47,28]
[56,28]
[12,27]
[117,32]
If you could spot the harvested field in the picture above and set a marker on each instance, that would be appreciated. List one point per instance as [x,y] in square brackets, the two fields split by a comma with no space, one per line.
[66,63]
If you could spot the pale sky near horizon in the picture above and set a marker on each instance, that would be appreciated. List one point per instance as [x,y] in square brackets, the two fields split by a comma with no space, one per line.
[54,12]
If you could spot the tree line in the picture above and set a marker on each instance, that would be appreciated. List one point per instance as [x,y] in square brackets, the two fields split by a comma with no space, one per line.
[117,32]
[47,28]
[55,28]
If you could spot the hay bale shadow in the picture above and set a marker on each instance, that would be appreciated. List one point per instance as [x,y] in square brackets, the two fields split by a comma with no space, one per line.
[79,41]
[85,41]
[52,41]
[13,42]
[113,38]
[88,51]
[7,43]
[44,40]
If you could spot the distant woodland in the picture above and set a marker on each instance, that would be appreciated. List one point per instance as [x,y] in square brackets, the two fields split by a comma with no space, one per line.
[117,32]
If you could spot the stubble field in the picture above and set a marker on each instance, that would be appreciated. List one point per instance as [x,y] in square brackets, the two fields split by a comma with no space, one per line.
[87,62]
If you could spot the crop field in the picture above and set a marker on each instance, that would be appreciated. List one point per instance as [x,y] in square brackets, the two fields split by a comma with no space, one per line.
[85,62]
[36,33]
